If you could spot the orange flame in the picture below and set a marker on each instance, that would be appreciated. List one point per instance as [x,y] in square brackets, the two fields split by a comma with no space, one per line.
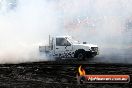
[81,71]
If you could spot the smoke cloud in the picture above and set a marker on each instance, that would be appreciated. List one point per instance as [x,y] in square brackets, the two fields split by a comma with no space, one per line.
[24,25]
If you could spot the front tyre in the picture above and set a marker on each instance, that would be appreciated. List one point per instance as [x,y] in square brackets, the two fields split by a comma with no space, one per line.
[80,55]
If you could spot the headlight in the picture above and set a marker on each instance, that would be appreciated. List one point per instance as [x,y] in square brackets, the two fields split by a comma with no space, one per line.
[94,49]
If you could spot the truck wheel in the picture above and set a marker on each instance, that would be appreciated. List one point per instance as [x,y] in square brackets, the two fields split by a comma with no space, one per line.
[81,55]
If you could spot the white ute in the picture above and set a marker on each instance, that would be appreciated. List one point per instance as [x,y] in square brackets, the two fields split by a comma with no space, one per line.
[66,47]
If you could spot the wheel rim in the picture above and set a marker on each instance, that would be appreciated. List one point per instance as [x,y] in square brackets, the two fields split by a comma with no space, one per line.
[80,56]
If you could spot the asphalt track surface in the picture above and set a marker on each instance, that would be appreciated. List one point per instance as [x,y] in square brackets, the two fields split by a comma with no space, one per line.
[62,73]
[58,74]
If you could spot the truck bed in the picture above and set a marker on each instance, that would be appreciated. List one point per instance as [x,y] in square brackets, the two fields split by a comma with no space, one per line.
[44,48]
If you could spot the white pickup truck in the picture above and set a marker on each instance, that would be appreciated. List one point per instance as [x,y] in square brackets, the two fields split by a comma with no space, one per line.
[66,47]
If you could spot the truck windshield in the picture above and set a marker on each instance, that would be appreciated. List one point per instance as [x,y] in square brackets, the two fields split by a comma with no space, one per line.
[73,41]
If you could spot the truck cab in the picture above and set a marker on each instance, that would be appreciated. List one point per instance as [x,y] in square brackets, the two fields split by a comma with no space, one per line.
[67,47]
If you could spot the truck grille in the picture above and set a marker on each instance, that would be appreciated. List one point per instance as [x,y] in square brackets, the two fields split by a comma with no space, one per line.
[94,49]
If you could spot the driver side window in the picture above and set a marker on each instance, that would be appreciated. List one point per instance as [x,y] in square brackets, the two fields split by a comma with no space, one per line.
[62,42]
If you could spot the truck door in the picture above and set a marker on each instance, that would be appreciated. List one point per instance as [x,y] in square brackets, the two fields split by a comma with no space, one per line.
[62,47]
